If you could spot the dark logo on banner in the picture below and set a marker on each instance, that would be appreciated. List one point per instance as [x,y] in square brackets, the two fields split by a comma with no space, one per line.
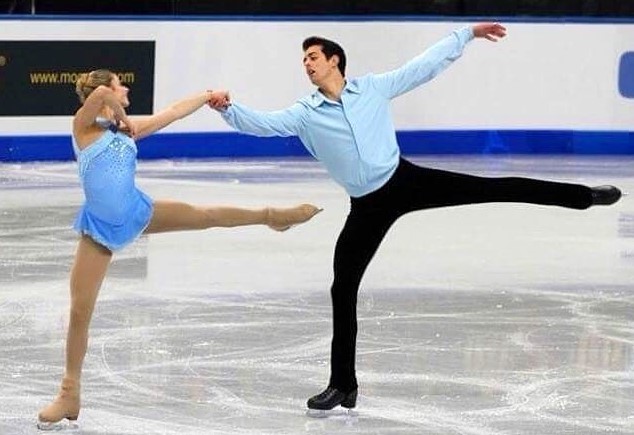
[626,75]
[37,78]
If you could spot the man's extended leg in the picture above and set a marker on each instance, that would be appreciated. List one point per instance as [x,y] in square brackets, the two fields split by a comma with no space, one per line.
[421,188]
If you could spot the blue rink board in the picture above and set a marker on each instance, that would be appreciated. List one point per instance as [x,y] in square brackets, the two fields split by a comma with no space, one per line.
[229,144]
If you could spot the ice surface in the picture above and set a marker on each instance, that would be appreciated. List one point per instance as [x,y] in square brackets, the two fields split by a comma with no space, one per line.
[488,319]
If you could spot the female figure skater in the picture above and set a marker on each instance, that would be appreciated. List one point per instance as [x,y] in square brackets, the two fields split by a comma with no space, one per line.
[116,212]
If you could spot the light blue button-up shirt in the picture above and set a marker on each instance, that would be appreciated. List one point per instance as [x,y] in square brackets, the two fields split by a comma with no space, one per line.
[355,138]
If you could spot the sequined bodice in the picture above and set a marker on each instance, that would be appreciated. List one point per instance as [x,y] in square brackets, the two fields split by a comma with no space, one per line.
[106,170]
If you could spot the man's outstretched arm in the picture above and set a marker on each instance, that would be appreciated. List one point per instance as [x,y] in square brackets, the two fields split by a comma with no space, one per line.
[285,122]
[434,60]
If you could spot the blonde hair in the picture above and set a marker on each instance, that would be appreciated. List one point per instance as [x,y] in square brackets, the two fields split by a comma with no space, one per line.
[88,82]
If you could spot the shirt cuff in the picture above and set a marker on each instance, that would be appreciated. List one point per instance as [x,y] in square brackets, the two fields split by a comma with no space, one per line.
[225,112]
[466,34]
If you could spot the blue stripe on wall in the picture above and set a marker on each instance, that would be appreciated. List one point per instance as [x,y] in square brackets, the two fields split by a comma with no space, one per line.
[325,18]
[209,145]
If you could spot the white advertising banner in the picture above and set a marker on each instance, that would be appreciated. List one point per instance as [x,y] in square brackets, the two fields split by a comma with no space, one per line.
[575,76]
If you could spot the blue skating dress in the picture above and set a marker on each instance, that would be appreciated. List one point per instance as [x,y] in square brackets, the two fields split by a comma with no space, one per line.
[115,212]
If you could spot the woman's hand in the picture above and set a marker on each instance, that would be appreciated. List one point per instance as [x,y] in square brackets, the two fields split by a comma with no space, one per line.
[126,125]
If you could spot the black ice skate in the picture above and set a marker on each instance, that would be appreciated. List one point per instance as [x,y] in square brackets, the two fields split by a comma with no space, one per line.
[328,399]
[605,195]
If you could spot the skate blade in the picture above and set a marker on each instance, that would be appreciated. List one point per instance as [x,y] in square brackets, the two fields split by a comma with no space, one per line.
[335,412]
[62,425]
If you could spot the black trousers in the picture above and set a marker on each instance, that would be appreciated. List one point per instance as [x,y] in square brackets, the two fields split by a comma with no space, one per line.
[414,188]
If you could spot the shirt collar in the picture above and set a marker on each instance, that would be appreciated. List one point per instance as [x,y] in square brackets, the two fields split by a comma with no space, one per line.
[352,86]
[317,98]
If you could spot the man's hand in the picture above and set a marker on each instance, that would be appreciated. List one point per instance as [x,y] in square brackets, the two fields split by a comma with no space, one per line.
[219,100]
[490,31]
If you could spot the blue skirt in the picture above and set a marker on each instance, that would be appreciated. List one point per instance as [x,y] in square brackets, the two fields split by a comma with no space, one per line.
[116,236]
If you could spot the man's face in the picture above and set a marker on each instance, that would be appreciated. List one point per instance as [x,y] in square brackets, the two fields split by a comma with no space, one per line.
[318,68]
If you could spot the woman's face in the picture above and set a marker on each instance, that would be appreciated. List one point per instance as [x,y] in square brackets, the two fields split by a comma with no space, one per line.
[120,91]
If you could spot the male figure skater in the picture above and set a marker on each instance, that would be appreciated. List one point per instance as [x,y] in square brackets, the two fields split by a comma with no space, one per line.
[346,124]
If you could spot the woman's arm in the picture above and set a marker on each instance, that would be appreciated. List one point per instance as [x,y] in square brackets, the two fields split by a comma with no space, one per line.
[148,125]
[100,97]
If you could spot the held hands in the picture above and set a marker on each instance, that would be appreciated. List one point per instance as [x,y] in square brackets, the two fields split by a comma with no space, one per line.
[490,31]
[219,100]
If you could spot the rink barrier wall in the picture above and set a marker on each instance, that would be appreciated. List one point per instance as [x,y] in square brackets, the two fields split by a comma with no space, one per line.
[225,144]
[537,92]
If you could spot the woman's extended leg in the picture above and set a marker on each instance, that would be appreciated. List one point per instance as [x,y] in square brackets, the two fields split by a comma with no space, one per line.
[179,216]
[88,272]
